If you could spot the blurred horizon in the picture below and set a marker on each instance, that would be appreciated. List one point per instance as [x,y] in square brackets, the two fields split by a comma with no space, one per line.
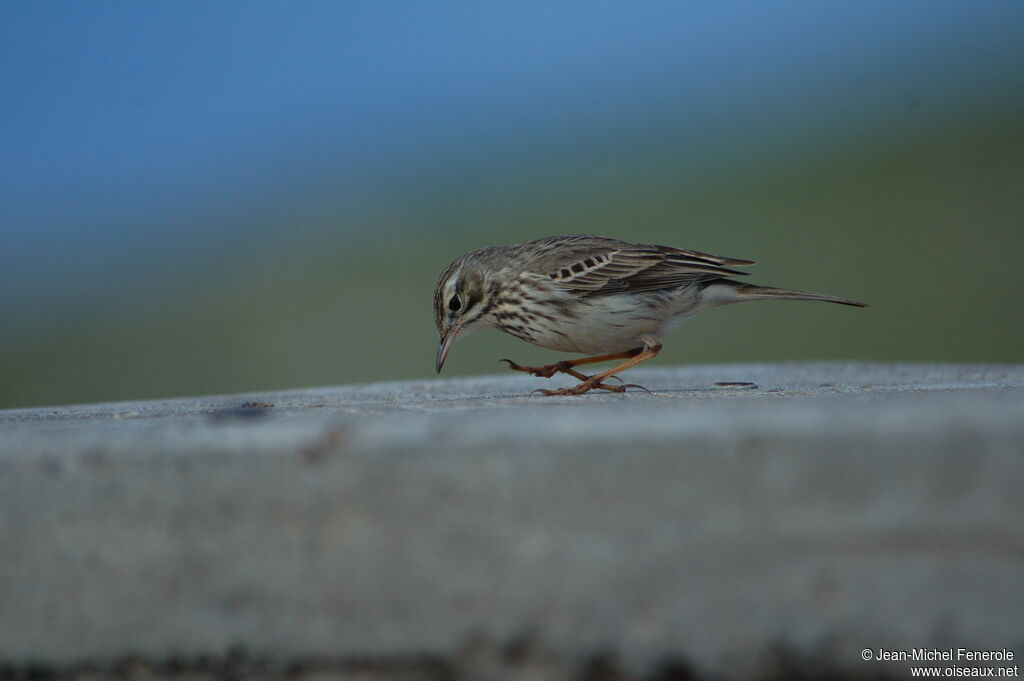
[220,198]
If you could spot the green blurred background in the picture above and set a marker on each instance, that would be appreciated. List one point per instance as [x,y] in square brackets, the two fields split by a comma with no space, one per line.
[864,152]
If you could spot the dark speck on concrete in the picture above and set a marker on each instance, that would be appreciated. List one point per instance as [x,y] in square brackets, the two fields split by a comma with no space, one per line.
[236,413]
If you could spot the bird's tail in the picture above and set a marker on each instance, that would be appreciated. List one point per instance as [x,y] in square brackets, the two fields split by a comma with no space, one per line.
[724,291]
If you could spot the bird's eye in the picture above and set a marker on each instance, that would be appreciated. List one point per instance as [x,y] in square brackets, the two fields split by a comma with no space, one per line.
[454,304]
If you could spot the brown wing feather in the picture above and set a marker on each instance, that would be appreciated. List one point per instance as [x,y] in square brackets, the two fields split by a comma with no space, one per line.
[620,266]
[716,259]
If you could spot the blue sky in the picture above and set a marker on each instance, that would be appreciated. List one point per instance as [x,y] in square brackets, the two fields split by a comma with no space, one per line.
[127,124]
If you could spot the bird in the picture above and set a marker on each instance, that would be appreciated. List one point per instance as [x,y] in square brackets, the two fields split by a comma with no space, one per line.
[603,297]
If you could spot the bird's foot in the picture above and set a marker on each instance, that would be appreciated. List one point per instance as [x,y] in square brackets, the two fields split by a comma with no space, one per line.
[587,386]
[546,371]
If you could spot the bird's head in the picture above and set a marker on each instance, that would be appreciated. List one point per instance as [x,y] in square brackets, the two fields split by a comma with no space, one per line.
[460,303]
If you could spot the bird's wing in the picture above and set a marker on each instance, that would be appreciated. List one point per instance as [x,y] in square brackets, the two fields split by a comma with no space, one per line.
[623,266]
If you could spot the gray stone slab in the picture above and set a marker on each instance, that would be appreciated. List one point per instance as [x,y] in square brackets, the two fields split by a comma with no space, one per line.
[827,509]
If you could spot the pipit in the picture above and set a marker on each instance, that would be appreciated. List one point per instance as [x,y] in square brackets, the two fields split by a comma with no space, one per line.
[603,297]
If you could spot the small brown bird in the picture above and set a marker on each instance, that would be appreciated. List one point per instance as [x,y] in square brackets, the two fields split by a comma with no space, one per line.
[589,294]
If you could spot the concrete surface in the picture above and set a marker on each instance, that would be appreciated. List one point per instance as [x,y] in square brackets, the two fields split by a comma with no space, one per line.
[462,529]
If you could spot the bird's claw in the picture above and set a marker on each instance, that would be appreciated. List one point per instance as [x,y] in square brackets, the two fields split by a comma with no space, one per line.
[518,367]
[553,393]
[567,367]
[539,372]
[587,386]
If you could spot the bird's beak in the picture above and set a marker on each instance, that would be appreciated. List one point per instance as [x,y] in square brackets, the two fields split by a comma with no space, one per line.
[445,345]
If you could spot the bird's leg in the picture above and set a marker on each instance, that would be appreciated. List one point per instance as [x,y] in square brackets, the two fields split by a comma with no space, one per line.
[572,372]
[597,380]
[566,366]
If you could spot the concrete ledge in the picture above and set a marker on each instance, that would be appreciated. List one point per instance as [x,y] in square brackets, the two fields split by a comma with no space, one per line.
[463,529]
